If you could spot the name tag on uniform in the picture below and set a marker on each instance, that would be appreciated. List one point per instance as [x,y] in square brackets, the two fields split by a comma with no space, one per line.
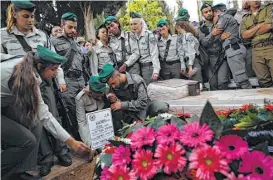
[101,127]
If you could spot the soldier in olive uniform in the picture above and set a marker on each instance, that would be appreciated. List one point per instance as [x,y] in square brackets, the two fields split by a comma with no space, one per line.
[66,45]
[128,97]
[22,120]
[22,27]
[257,26]
[146,43]
[123,46]
[247,42]
[227,27]
[218,78]
[91,98]
[171,59]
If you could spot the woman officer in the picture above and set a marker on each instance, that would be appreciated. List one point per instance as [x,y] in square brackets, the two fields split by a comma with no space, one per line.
[24,111]
[171,60]
[190,45]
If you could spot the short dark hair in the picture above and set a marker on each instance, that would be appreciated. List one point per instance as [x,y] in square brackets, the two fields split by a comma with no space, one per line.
[205,5]
[98,30]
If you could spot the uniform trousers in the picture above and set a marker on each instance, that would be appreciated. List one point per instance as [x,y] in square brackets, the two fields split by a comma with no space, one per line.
[20,143]
[170,71]
[74,86]
[49,145]
[263,65]
[218,80]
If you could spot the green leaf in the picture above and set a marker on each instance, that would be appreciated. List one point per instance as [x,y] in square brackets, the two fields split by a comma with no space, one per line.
[210,118]
[136,127]
[117,143]
[193,118]
[177,122]
[158,123]
[106,159]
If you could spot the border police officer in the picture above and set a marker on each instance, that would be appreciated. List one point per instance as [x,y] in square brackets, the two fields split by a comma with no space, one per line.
[227,27]
[66,45]
[124,47]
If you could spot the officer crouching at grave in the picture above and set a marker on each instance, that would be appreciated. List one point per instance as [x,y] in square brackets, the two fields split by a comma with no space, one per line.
[128,97]
[91,98]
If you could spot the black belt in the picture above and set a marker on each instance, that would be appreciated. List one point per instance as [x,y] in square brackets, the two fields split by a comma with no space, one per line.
[73,74]
[146,64]
[263,44]
[214,52]
[171,62]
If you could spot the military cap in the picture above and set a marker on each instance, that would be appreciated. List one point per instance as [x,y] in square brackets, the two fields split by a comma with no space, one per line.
[110,19]
[23,4]
[182,18]
[69,16]
[80,39]
[205,5]
[183,12]
[162,22]
[49,56]
[135,15]
[106,73]
[219,6]
[95,84]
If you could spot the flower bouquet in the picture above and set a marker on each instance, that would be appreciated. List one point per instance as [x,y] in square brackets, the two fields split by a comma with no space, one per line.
[172,148]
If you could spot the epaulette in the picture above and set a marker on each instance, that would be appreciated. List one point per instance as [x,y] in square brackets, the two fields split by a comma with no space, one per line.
[80,94]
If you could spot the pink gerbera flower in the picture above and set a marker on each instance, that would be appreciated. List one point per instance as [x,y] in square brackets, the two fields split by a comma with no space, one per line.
[143,136]
[171,157]
[167,134]
[208,160]
[144,165]
[232,146]
[194,134]
[105,174]
[121,156]
[232,176]
[121,173]
[258,165]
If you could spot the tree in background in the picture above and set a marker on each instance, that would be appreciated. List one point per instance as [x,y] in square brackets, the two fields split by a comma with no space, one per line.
[168,13]
[208,2]
[48,14]
[149,9]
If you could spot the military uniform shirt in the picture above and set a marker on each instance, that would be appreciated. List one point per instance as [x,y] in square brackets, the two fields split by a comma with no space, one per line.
[86,104]
[103,56]
[62,45]
[229,24]
[190,45]
[148,53]
[209,42]
[264,15]
[173,53]
[132,52]
[49,122]
[11,46]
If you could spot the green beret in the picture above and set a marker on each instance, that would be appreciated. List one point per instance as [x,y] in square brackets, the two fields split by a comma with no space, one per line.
[162,22]
[106,73]
[182,18]
[80,39]
[135,15]
[49,56]
[69,16]
[219,6]
[95,84]
[183,12]
[23,4]
[110,19]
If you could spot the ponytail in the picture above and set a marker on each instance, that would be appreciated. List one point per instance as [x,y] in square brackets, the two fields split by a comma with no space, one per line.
[10,19]
[24,87]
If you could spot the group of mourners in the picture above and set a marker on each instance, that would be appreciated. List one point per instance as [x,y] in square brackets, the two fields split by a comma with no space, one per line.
[112,73]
